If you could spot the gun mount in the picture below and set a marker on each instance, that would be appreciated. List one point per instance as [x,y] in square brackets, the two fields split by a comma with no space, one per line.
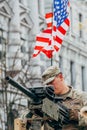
[48,101]
[29,93]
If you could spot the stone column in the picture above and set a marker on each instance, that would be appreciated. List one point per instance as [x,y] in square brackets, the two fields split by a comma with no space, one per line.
[35,62]
[41,7]
[34,15]
[14,55]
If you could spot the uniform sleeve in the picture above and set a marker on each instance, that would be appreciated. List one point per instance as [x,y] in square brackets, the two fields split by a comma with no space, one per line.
[83,118]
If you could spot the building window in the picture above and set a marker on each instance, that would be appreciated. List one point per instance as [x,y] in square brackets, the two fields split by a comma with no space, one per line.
[71,18]
[39,6]
[23,48]
[72,72]
[3,48]
[80,25]
[20,1]
[0,55]
[61,63]
[2,45]
[23,62]
[83,77]
[23,51]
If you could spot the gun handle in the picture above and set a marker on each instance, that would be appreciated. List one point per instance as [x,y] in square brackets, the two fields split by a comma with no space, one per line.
[19,124]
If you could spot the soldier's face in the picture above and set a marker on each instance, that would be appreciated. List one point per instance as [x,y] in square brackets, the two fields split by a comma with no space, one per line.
[57,84]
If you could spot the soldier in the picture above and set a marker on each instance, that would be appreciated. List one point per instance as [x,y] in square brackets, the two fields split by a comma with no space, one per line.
[75,100]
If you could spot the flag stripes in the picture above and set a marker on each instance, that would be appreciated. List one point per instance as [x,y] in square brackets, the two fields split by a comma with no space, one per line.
[50,39]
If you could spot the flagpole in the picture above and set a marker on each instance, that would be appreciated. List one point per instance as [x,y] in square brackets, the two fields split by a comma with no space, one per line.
[52,40]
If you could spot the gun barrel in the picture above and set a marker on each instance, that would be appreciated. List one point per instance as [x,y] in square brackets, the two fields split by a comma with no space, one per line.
[23,89]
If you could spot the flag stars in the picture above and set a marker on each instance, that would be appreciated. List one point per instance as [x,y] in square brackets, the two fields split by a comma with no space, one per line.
[60,11]
[50,40]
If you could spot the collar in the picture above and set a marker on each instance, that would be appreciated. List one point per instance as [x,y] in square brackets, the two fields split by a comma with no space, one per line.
[68,95]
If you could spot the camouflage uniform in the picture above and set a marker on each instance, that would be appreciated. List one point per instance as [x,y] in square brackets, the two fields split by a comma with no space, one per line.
[75,99]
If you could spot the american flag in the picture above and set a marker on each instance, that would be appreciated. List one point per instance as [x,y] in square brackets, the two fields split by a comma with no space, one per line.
[61,22]
[43,40]
[50,40]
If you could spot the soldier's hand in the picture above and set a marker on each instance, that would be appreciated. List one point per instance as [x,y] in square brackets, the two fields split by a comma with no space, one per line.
[73,115]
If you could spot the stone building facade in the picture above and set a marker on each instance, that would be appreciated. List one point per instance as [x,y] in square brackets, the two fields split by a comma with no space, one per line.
[20,22]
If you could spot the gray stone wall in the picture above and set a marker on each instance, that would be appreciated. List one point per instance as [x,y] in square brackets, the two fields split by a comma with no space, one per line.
[21,21]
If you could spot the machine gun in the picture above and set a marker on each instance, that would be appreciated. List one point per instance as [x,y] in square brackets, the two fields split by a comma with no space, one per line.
[44,103]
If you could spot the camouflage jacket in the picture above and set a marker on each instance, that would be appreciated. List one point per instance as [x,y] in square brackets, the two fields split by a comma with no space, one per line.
[76,99]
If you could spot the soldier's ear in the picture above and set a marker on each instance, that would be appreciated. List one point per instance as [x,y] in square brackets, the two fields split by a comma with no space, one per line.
[60,75]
